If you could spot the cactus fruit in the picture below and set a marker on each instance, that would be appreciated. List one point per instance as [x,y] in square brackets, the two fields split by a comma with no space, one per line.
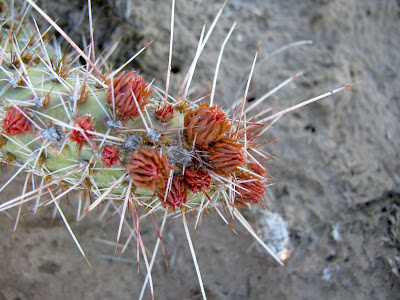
[112,135]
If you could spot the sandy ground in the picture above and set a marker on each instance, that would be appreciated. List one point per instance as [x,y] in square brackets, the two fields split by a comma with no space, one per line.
[337,161]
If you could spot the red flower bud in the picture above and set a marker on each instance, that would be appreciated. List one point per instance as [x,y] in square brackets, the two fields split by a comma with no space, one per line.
[15,122]
[226,156]
[197,180]
[206,125]
[123,86]
[176,194]
[109,156]
[148,169]
[165,113]
[85,123]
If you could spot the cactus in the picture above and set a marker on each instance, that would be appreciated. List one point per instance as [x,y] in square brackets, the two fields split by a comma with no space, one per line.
[116,137]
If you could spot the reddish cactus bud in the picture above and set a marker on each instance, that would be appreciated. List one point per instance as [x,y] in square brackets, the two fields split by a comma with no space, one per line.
[206,125]
[123,86]
[197,180]
[15,122]
[85,123]
[225,156]
[148,169]
[176,195]
[165,113]
[109,156]
[250,190]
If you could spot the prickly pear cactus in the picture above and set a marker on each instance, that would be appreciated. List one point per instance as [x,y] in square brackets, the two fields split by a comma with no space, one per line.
[118,138]
[65,123]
